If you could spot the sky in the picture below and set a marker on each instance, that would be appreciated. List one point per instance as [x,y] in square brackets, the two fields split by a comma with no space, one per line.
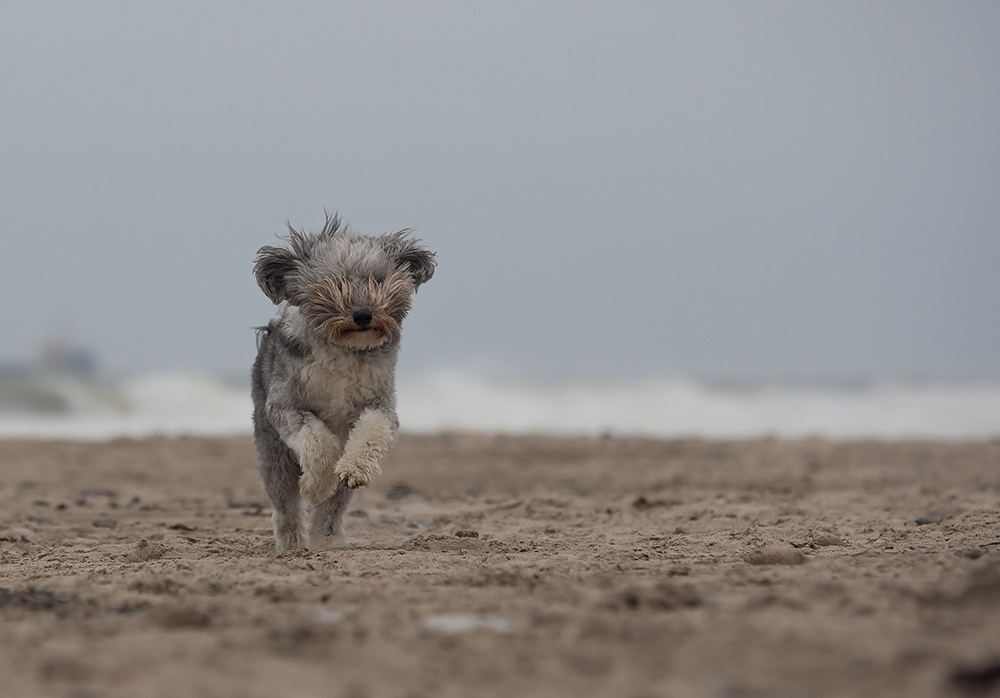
[706,189]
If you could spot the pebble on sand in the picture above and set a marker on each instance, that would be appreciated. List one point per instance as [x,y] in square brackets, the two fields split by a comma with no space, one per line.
[457,623]
[775,555]
[17,535]
[826,539]
[144,550]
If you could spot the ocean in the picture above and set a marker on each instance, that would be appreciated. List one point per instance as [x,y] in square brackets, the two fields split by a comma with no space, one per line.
[190,403]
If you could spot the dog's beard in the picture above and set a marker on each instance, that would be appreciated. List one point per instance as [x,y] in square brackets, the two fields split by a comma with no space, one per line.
[330,305]
[345,333]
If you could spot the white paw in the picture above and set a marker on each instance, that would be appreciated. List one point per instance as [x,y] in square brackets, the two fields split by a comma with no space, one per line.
[367,445]
[358,472]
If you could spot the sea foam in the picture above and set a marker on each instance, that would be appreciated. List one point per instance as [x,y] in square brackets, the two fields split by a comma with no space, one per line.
[185,403]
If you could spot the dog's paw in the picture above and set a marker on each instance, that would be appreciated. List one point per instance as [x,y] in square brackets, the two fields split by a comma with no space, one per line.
[289,543]
[367,445]
[359,471]
[289,533]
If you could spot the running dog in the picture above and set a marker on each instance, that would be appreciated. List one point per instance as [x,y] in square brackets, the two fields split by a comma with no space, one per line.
[323,383]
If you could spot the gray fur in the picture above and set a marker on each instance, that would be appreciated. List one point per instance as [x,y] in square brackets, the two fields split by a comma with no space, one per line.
[325,403]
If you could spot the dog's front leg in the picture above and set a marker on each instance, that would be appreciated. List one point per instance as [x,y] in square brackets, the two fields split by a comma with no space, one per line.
[368,443]
[316,448]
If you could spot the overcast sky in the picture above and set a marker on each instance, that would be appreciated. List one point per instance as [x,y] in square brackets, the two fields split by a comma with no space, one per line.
[768,189]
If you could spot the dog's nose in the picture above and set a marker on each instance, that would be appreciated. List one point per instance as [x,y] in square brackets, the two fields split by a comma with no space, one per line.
[362,317]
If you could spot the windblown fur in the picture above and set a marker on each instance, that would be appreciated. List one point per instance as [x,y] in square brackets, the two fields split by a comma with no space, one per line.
[324,379]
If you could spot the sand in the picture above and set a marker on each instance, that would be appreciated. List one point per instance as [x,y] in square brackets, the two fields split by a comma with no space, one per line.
[502,566]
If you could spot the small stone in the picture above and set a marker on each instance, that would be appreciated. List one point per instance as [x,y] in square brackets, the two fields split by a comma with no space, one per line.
[928,519]
[775,555]
[144,551]
[457,623]
[105,523]
[825,539]
[467,534]
[17,535]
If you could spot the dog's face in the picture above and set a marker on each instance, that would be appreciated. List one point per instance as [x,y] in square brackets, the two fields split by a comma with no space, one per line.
[355,290]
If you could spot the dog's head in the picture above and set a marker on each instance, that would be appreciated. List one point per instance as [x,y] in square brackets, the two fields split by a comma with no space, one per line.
[354,289]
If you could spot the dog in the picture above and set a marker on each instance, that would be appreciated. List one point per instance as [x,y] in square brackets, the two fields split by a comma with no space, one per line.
[323,382]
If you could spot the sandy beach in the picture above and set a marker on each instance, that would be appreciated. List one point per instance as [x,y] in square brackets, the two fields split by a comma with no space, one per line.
[503,566]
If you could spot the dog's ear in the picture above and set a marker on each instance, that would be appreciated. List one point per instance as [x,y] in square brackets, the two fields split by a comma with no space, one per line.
[272,268]
[409,253]
[275,264]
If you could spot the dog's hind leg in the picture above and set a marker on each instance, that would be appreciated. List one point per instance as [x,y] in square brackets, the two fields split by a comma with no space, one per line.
[280,477]
[328,515]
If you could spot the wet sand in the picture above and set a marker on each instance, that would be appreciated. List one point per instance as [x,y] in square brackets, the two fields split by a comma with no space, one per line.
[502,566]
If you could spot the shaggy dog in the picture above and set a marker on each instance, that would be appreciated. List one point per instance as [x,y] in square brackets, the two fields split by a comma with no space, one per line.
[324,379]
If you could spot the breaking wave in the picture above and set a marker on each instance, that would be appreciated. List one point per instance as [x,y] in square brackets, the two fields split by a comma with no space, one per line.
[187,403]
[176,403]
